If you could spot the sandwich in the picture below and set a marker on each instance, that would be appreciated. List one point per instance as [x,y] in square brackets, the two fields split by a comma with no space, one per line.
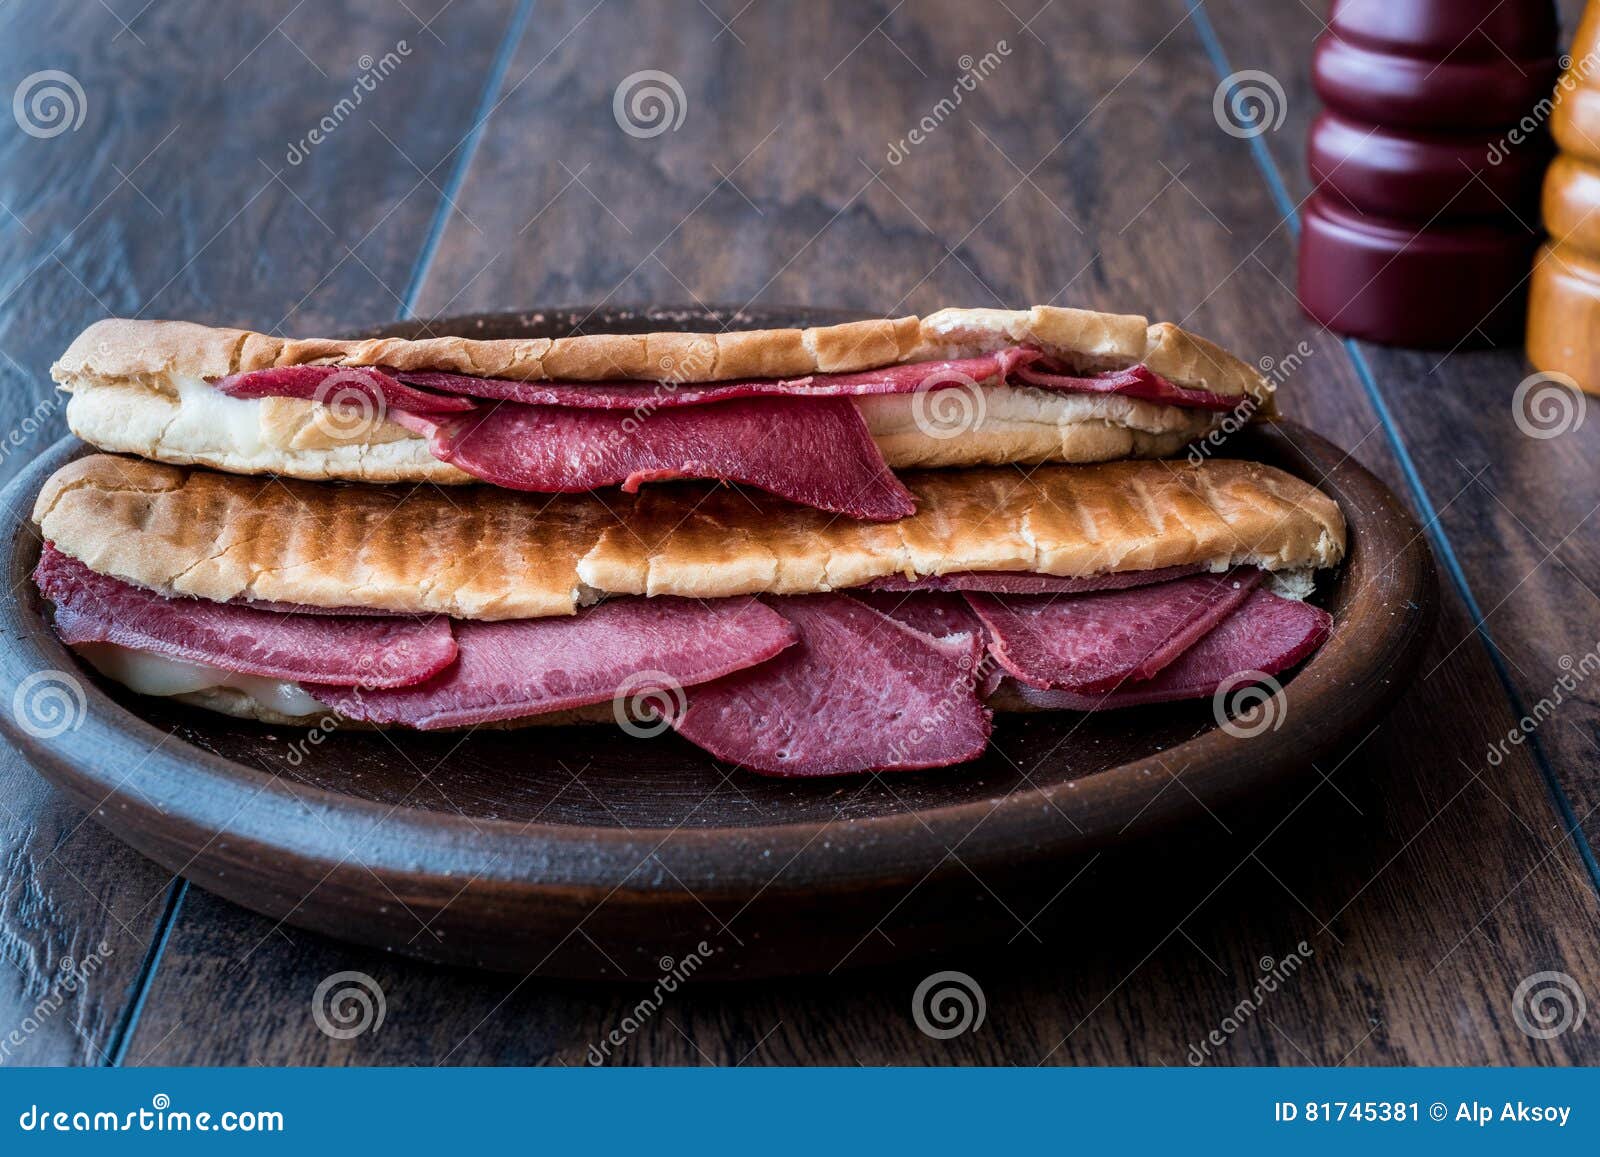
[776,637]
[824,417]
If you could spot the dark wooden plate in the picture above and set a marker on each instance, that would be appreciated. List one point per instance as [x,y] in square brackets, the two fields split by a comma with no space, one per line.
[583,852]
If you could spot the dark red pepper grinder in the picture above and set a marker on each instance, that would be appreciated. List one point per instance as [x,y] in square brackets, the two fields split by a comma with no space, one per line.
[1426,165]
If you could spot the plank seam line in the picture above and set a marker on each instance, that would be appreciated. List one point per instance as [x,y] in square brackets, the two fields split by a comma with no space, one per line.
[176,891]
[467,149]
[502,62]
[1433,528]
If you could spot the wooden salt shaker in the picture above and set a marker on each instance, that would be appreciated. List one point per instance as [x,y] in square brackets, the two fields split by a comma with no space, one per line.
[1564,292]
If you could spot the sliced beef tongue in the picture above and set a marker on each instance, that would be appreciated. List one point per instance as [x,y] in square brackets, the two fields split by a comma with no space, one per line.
[1134,382]
[899,379]
[1025,583]
[1022,365]
[940,614]
[359,386]
[859,691]
[814,451]
[1265,636]
[643,651]
[553,437]
[1092,643]
[352,650]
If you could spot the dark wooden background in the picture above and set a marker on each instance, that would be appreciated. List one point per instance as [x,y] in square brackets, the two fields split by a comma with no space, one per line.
[488,172]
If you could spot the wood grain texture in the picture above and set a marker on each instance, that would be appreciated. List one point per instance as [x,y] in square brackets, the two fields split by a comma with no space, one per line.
[1426,884]
[1515,510]
[175,198]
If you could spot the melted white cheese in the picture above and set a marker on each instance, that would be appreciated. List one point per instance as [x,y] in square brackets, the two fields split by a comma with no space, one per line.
[1003,406]
[206,412]
[150,674]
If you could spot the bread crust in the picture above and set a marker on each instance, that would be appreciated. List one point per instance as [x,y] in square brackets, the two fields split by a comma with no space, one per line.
[281,437]
[484,553]
[153,352]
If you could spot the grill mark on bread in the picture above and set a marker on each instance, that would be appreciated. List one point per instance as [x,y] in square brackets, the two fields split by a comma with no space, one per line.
[496,554]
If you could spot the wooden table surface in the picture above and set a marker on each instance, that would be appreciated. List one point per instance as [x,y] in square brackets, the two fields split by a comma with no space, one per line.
[486,169]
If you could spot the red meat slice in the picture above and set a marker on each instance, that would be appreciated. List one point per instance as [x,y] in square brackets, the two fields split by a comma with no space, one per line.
[336,385]
[1095,642]
[814,451]
[858,692]
[647,649]
[1268,634]
[366,650]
